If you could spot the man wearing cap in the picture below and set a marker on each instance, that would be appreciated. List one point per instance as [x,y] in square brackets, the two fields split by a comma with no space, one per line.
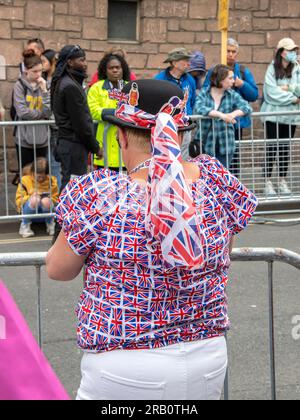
[198,69]
[179,60]
[75,126]
[244,85]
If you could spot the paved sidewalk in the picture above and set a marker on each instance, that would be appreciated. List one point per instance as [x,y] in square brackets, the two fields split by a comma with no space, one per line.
[248,306]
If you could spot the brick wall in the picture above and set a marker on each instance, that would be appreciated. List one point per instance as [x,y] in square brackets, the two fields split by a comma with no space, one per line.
[164,24]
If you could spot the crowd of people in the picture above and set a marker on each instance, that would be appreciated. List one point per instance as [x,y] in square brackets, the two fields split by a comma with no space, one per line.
[52,85]
[155,238]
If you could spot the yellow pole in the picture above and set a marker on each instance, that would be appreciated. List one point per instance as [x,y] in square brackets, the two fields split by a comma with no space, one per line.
[224,47]
[223,27]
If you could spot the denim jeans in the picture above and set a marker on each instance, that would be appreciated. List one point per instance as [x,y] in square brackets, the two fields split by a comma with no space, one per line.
[40,210]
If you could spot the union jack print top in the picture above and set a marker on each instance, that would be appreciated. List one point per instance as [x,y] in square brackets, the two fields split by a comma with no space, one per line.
[130,299]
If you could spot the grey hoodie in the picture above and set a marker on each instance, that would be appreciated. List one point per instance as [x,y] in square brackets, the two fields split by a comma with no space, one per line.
[35,106]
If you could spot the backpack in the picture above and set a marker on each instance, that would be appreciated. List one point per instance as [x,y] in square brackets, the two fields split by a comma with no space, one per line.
[12,111]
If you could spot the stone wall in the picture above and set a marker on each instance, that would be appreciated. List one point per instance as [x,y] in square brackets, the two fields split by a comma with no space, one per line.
[164,24]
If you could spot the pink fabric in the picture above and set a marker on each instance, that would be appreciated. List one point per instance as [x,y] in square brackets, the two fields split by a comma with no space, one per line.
[25,373]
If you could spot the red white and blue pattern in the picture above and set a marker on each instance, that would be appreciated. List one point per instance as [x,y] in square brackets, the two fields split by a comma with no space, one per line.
[130,300]
[175,108]
[172,219]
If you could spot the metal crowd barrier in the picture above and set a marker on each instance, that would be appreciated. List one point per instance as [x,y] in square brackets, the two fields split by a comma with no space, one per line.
[269,255]
[254,152]
[251,155]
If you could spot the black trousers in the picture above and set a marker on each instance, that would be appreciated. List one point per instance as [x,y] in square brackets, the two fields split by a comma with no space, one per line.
[73,158]
[284,131]
[235,167]
[27,155]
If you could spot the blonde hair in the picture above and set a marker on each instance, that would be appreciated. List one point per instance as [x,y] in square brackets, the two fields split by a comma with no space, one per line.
[41,166]
[142,138]
[139,138]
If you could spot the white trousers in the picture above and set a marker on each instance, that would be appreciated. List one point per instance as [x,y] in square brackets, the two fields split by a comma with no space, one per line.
[186,371]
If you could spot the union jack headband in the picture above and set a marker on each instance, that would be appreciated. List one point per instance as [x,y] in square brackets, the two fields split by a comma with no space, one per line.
[129,112]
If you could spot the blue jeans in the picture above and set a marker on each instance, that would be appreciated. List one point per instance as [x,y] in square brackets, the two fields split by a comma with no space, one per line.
[40,210]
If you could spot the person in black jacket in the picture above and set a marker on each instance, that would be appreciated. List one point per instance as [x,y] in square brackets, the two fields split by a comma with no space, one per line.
[75,126]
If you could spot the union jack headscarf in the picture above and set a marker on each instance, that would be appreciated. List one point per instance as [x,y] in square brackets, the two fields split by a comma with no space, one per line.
[172,219]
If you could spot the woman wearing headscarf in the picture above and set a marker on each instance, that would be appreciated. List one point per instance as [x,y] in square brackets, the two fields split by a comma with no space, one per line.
[281,95]
[75,126]
[155,247]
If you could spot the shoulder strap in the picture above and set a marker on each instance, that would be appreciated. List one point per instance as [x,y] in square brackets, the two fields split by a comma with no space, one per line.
[242,71]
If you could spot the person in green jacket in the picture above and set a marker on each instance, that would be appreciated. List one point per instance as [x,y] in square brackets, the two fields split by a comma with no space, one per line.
[113,73]
[281,94]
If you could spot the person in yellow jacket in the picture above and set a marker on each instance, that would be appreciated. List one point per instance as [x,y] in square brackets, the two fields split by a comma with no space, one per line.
[103,96]
[37,193]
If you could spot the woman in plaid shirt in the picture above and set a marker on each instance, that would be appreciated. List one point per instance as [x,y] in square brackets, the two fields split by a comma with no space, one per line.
[220,102]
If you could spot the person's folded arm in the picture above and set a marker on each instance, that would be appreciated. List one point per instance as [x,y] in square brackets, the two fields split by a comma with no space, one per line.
[249,91]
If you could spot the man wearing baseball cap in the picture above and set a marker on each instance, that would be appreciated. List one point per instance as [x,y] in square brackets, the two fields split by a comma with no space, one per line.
[179,63]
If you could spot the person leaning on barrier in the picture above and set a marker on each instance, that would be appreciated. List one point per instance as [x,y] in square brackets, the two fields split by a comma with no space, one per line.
[154,244]
[75,126]
[220,102]
[103,97]
[36,193]
[281,95]
[31,102]
[246,87]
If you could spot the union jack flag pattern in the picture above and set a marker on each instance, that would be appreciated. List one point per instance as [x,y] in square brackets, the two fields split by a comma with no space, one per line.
[130,300]
[172,218]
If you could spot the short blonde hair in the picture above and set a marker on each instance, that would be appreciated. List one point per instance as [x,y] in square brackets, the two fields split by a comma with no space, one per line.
[140,138]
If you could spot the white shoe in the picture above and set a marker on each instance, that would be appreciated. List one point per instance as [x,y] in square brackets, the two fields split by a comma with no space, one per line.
[269,190]
[50,228]
[283,188]
[25,230]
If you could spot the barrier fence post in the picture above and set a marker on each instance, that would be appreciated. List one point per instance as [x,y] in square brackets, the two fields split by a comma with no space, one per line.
[271,330]
[39,286]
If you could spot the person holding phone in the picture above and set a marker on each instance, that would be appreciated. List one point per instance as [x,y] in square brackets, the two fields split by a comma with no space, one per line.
[37,193]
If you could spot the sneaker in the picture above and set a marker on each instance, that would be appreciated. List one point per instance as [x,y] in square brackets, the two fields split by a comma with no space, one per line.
[269,190]
[283,188]
[50,228]
[25,230]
